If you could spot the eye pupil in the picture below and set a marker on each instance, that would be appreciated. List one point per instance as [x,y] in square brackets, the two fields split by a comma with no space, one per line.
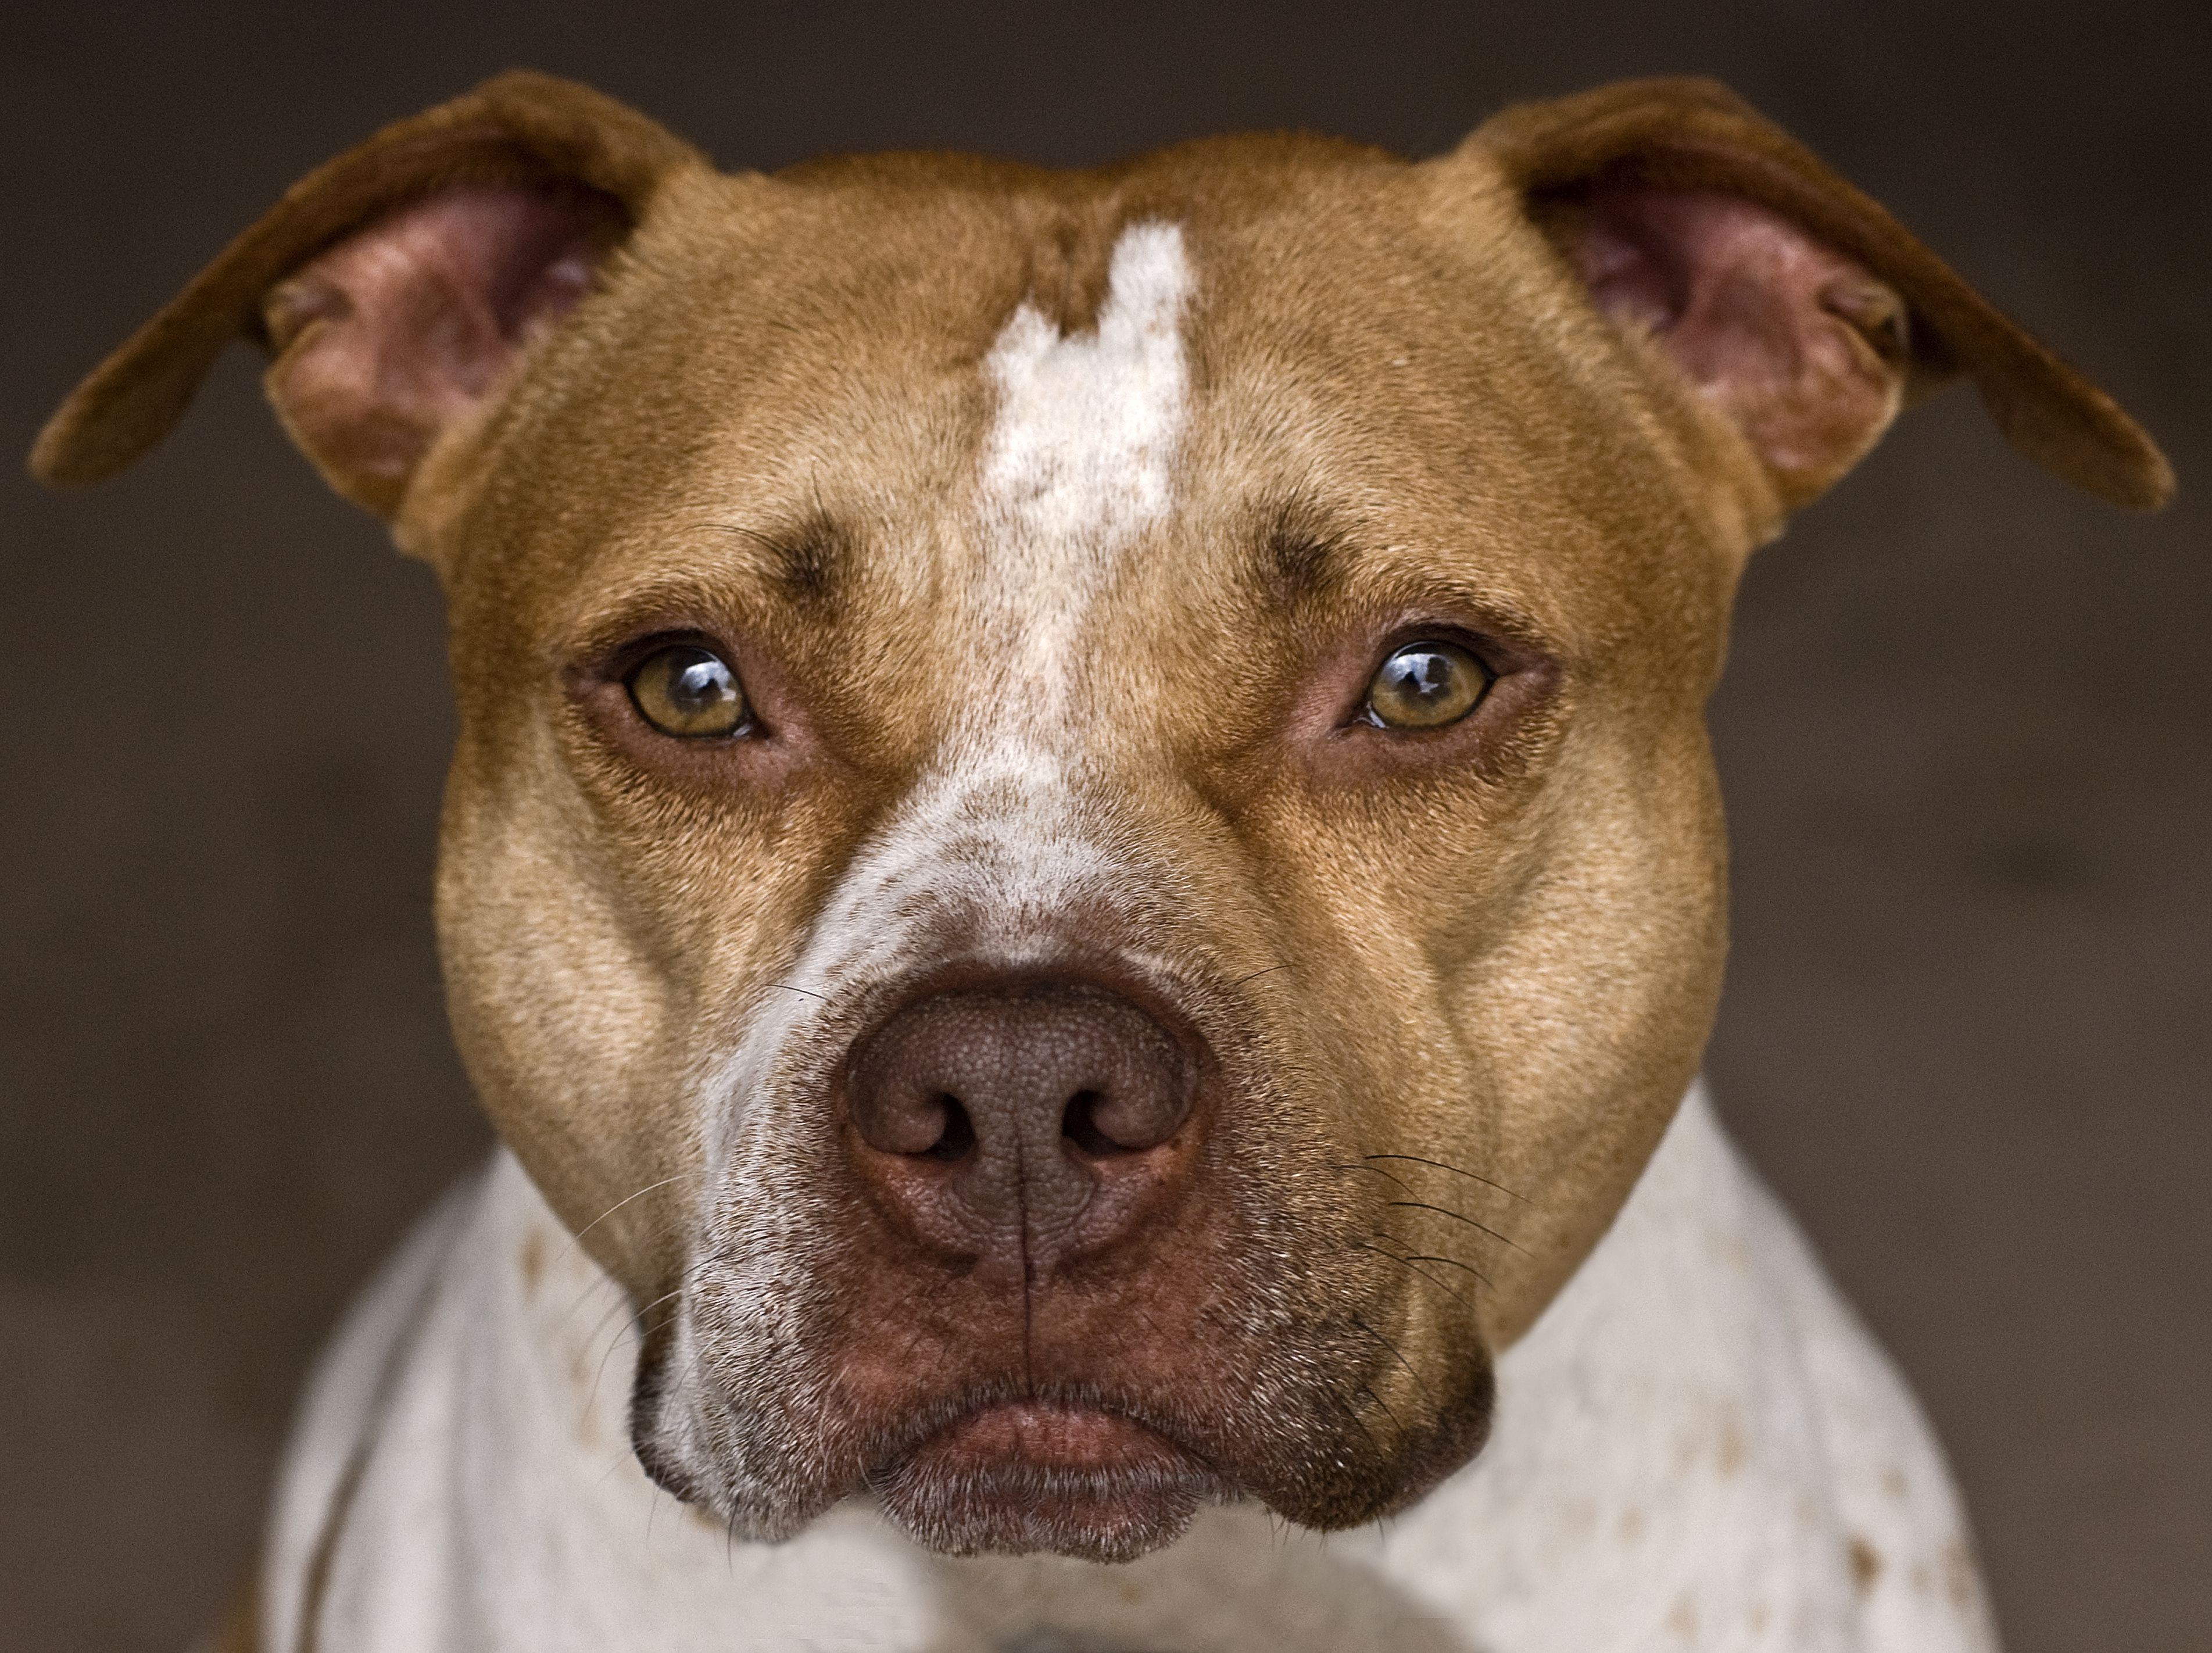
[689,692]
[701,684]
[1425,676]
[1425,686]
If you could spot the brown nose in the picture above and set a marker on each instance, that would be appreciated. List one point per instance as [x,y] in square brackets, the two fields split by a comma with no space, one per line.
[1025,1125]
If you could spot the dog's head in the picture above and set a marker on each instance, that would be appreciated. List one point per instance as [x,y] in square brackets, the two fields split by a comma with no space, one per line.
[1083,845]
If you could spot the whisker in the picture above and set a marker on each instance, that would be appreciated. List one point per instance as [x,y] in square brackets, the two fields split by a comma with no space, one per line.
[576,1240]
[1414,1257]
[1457,1217]
[690,1373]
[1359,1423]
[1444,1287]
[801,992]
[1388,1344]
[618,1309]
[1378,1171]
[1257,975]
[1416,1159]
[1450,1263]
[1387,1412]
[680,1176]
[604,1282]
[615,1342]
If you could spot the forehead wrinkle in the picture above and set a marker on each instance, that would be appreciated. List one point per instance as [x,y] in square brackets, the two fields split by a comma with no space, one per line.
[1302,552]
[811,559]
[718,569]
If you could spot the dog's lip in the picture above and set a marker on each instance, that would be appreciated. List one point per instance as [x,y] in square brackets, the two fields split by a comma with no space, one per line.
[1059,1437]
[1020,1476]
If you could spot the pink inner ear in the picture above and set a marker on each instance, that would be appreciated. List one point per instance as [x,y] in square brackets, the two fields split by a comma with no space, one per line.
[405,326]
[1798,344]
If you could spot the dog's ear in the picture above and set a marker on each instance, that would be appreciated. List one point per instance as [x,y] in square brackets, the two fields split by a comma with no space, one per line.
[393,287]
[1804,313]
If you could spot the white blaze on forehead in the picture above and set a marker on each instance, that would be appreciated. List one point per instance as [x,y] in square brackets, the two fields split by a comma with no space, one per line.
[1079,460]
[1078,463]
[1087,427]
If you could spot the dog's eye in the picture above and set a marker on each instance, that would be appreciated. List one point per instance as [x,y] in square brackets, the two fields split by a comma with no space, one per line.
[689,692]
[1425,686]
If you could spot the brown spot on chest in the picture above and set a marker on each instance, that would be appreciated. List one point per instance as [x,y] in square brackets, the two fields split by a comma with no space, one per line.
[1734,1449]
[1959,1582]
[1865,1563]
[1682,1621]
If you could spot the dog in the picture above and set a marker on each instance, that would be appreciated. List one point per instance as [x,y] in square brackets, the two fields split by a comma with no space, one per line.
[1084,876]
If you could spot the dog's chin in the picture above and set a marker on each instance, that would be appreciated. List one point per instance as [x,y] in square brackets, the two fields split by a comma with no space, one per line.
[1100,1475]
[1015,1478]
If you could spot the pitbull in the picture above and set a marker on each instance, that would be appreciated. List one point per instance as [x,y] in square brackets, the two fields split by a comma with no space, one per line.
[1084,876]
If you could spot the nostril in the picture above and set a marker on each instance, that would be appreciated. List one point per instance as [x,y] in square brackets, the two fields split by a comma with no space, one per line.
[1079,1125]
[957,1141]
[913,1121]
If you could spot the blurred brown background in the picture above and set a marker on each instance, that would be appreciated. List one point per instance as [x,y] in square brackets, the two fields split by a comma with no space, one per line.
[1965,736]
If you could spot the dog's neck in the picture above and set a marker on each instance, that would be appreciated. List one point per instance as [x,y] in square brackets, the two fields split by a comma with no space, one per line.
[1667,1434]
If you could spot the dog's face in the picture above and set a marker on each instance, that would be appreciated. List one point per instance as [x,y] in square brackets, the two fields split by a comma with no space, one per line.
[1202,879]
[1083,845]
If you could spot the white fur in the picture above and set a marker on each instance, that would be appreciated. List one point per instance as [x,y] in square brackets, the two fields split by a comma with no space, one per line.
[1078,463]
[1689,1446]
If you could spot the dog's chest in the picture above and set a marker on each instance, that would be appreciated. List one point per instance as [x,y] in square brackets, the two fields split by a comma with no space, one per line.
[1697,1447]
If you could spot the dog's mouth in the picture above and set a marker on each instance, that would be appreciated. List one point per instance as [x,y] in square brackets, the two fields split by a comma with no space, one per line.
[1073,1478]
[1104,1452]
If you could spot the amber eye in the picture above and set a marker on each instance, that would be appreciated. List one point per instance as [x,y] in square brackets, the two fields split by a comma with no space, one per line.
[1425,686]
[689,692]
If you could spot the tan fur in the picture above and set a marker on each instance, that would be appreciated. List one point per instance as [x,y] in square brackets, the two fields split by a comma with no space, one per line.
[1456,986]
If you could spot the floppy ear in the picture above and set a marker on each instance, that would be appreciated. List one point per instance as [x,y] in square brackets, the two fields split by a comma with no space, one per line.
[394,287]
[1800,310]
